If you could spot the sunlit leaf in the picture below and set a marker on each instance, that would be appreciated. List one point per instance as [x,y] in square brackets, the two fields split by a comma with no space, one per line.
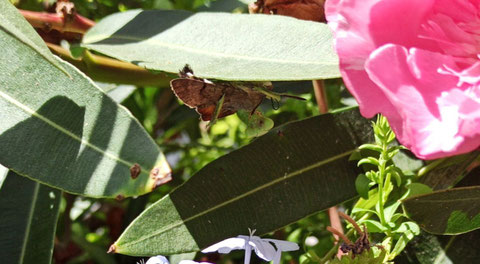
[291,172]
[12,22]
[218,45]
[66,133]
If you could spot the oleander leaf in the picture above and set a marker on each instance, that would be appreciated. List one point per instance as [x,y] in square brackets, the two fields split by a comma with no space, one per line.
[453,211]
[66,133]
[291,172]
[28,218]
[12,21]
[218,45]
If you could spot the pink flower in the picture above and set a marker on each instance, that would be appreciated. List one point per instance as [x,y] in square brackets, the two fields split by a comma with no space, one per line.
[417,63]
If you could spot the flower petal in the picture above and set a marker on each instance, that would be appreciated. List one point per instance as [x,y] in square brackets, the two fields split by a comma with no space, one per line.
[227,245]
[283,245]
[192,262]
[262,248]
[158,260]
[414,84]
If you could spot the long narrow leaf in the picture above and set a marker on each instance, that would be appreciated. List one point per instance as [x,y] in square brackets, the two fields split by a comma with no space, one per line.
[66,133]
[453,211]
[293,171]
[218,45]
[13,22]
[28,216]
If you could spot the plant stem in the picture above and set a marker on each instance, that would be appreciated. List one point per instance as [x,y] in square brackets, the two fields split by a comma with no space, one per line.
[321,98]
[383,185]
[320,95]
[104,69]
[76,23]
[381,171]
[430,167]
[334,249]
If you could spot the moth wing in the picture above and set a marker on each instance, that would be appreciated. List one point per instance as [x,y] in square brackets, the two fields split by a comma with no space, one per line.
[243,99]
[195,93]
[208,111]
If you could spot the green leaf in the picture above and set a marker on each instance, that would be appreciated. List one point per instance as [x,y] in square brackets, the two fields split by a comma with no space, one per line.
[374,226]
[406,162]
[362,184]
[390,211]
[366,204]
[427,249]
[367,257]
[417,189]
[369,160]
[291,172]
[175,259]
[453,211]
[12,22]
[444,173]
[257,124]
[402,242]
[65,132]
[218,45]
[373,147]
[28,216]
[396,174]
[408,226]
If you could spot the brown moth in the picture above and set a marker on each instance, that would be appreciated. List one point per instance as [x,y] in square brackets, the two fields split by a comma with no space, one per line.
[204,95]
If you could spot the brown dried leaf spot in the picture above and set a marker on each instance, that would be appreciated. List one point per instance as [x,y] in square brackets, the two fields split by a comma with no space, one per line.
[161,175]
[302,9]
[135,170]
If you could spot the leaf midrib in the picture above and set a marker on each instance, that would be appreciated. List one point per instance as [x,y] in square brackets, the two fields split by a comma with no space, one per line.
[29,220]
[323,62]
[67,132]
[447,201]
[264,186]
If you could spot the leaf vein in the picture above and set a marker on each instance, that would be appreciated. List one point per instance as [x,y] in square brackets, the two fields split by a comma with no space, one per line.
[67,132]
[278,180]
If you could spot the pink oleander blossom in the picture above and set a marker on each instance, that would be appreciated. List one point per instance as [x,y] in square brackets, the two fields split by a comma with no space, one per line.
[416,62]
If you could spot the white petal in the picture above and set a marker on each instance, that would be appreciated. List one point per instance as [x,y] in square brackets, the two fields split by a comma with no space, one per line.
[158,260]
[192,262]
[248,254]
[262,248]
[276,258]
[227,245]
[283,245]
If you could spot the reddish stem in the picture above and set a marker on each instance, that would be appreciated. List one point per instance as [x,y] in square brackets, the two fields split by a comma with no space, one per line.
[349,219]
[320,95]
[74,23]
[337,234]
[321,98]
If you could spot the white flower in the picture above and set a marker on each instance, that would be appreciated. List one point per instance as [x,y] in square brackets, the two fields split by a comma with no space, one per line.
[192,262]
[158,260]
[264,248]
[163,260]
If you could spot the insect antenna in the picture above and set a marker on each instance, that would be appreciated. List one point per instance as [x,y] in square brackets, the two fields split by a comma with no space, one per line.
[293,96]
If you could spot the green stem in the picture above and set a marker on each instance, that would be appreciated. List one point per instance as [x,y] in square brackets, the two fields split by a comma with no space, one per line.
[424,170]
[383,185]
[380,188]
[329,254]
